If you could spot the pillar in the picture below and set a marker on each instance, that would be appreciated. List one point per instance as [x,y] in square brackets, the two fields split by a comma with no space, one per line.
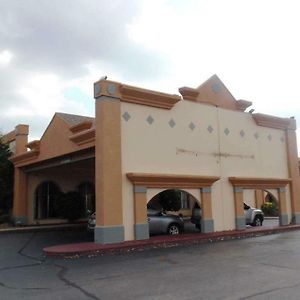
[20,197]
[207,222]
[141,226]
[293,166]
[108,177]
[259,198]
[21,139]
[240,222]
[283,216]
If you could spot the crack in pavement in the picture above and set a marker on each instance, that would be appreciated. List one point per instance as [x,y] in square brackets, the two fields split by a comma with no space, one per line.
[278,266]
[61,275]
[20,251]
[270,291]
[18,288]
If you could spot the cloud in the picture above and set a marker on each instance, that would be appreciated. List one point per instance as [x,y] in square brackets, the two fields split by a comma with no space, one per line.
[48,47]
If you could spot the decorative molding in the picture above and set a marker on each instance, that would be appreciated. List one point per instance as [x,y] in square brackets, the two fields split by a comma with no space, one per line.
[171,180]
[258,183]
[9,137]
[242,105]
[34,145]
[274,122]
[148,97]
[24,157]
[85,125]
[189,93]
[83,137]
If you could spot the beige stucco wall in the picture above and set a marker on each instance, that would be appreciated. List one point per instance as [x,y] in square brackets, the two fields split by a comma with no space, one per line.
[66,177]
[158,148]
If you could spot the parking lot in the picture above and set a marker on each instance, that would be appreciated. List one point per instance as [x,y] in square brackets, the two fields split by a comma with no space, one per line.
[266,267]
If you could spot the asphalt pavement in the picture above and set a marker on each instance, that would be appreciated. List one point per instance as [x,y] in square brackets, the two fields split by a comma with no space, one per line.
[266,267]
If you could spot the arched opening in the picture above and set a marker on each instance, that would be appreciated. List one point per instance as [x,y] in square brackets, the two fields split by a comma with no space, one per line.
[173,206]
[87,194]
[270,207]
[46,197]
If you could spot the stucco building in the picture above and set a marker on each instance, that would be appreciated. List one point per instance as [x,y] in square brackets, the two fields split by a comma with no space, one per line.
[142,142]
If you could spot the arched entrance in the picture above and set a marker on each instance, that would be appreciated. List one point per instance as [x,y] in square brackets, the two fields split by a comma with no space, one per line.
[46,195]
[173,206]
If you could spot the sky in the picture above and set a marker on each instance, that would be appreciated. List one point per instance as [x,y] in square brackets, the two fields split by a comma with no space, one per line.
[51,53]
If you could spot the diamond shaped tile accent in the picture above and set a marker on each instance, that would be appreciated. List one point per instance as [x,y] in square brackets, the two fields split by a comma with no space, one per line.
[150,120]
[192,126]
[172,123]
[256,135]
[270,137]
[216,88]
[226,131]
[242,133]
[282,139]
[126,116]
[210,129]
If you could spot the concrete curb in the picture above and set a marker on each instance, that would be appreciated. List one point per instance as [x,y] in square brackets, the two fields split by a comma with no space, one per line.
[93,249]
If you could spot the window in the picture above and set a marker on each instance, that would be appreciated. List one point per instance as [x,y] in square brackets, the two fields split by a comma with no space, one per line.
[46,196]
[87,192]
[185,201]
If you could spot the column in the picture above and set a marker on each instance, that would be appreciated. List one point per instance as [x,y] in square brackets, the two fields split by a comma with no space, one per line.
[283,216]
[207,222]
[292,154]
[108,169]
[240,222]
[21,138]
[259,198]
[20,197]
[141,226]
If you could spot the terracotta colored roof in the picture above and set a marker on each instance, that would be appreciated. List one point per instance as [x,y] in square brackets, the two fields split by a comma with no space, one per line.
[74,119]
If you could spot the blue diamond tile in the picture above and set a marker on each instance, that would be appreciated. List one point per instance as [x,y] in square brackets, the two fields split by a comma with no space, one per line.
[256,135]
[226,131]
[242,133]
[126,116]
[210,129]
[172,123]
[150,120]
[270,137]
[192,126]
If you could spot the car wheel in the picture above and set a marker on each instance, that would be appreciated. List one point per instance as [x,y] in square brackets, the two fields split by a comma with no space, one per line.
[173,229]
[257,221]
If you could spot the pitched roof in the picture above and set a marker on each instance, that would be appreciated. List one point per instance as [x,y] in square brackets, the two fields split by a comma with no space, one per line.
[72,120]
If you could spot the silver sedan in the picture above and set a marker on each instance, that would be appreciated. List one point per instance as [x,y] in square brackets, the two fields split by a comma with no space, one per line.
[159,223]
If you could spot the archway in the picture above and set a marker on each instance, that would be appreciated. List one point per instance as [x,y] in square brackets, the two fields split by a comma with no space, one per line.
[46,195]
[173,205]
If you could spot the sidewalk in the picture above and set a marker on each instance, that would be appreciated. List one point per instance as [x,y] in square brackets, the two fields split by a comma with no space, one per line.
[93,249]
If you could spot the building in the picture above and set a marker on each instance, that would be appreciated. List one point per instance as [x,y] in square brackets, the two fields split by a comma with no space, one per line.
[142,142]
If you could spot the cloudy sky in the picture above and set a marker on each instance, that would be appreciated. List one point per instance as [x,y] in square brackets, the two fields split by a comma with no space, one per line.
[51,52]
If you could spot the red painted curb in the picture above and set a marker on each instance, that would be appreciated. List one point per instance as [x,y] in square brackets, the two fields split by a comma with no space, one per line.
[93,249]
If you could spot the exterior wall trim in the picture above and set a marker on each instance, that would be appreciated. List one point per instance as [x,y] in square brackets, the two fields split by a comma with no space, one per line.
[83,137]
[24,157]
[274,122]
[171,180]
[134,94]
[259,183]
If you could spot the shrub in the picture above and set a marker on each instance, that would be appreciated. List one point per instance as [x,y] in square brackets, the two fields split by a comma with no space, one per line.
[70,205]
[270,209]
